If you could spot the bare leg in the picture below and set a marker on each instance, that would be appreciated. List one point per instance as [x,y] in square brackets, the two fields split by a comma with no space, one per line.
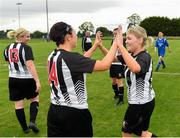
[125,135]
[146,134]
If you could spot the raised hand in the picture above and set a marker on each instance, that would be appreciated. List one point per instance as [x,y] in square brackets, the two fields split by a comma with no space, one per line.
[98,40]
[119,37]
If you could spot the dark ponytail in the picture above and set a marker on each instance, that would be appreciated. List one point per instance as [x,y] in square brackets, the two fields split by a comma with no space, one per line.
[58,32]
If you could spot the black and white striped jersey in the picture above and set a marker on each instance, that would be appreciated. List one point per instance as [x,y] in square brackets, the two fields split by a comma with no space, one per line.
[139,85]
[86,43]
[67,78]
[117,63]
[118,53]
[17,54]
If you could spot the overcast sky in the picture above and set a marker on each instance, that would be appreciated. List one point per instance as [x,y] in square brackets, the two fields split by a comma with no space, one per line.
[107,13]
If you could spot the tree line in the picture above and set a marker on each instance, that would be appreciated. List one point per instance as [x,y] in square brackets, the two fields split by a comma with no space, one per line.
[154,24]
[170,27]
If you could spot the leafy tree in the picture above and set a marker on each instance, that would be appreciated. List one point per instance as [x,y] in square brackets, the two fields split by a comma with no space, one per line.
[133,20]
[155,24]
[2,34]
[174,29]
[86,26]
[104,31]
[38,34]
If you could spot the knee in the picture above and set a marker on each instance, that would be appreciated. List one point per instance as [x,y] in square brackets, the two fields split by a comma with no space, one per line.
[19,104]
[114,82]
[146,134]
[161,58]
[125,135]
[35,99]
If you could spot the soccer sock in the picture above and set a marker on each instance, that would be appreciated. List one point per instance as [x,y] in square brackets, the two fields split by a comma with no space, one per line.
[115,88]
[121,93]
[163,64]
[33,111]
[21,118]
[158,65]
[153,135]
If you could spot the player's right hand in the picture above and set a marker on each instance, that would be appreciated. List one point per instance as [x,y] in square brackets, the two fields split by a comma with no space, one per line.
[38,86]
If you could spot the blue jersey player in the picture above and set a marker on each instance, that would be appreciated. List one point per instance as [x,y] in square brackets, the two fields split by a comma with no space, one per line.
[161,44]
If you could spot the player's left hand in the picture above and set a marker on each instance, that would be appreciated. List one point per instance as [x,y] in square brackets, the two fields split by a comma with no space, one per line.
[98,39]
[119,37]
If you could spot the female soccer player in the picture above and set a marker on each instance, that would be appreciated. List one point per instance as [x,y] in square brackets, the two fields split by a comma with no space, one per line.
[68,113]
[141,96]
[23,78]
[116,73]
[161,44]
[86,42]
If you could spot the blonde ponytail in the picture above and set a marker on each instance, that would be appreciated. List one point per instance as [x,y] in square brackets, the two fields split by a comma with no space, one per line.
[17,34]
[149,41]
[11,34]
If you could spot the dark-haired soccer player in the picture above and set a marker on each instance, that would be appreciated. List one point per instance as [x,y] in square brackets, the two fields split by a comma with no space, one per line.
[68,113]
[117,74]
[161,44]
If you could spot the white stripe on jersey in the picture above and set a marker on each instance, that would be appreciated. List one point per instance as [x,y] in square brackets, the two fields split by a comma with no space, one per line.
[68,81]
[5,52]
[71,87]
[75,92]
[23,72]
[140,97]
[117,63]
[54,100]
[11,65]
[151,93]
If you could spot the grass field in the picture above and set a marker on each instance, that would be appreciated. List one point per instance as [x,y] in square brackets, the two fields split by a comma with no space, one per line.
[107,117]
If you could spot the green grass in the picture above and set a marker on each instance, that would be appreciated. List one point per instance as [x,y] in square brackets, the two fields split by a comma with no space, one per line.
[107,117]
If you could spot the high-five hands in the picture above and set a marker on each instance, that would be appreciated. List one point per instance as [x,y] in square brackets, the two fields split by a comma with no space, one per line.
[119,37]
[98,39]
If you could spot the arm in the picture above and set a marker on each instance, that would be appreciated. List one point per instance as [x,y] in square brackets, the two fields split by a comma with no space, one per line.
[103,49]
[167,44]
[83,39]
[32,70]
[155,49]
[156,45]
[96,44]
[129,60]
[169,49]
[91,50]
[5,55]
[105,63]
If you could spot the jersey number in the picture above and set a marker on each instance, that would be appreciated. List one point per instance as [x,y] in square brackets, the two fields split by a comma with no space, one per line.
[53,74]
[14,55]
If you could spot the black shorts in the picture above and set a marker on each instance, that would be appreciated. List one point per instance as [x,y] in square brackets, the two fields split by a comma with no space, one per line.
[87,47]
[117,71]
[21,88]
[137,117]
[66,121]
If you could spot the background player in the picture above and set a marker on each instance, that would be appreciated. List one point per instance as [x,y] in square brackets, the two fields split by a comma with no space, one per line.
[117,75]
[23,78]
[161,44]
[86,42]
